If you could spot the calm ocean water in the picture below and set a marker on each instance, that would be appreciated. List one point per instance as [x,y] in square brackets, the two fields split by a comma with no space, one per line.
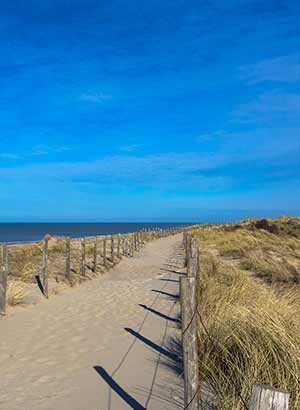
[22,232]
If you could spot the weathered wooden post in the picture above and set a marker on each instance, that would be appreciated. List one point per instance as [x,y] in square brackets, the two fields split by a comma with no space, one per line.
[131,246]
[112,248]
[193,264]
[104,253]
[95,254]
[184,243]
[189,342]
[68,258]
[135,242]
[266,398]
[119,246]
[3,280]
[82,258]
[123,246]
[140,244]
[188,249]
[45,267]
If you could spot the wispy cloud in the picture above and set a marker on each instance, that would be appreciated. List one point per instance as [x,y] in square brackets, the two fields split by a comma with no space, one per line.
[167,171]
[43,149]
[129,148]
[8,155]
[269,104]
[280,69]
[95,97]
[36,150]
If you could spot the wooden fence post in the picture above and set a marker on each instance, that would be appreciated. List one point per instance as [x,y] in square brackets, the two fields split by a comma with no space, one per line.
[124,246]
[193,263]
[132,246]
[82,258]
[112,248]
[184,244]
[135,242]
[104,252]
[45,267]
[188,249]
[266,398]
[139,240]
[142,238]
[119,246]
[95,254]
[68,258]
[3,280]
[189,342]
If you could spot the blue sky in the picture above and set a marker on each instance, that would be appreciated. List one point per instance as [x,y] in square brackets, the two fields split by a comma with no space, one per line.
[149,110]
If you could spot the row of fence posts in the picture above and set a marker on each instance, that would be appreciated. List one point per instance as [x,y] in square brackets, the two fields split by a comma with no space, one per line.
[262,397]
[120,245]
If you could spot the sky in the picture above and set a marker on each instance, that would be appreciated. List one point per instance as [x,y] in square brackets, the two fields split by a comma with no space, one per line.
[173,110]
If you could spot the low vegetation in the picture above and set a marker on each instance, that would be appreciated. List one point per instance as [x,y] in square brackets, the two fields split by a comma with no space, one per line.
[249,298]
[16,293]
[269,249]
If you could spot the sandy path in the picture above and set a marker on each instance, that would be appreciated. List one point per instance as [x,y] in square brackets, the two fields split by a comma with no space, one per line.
[102,346]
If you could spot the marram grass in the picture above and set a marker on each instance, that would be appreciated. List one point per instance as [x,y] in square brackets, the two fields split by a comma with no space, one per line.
[248,333]
[16,293]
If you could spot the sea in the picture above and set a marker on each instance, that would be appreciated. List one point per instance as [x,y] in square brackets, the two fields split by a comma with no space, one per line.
[30,232]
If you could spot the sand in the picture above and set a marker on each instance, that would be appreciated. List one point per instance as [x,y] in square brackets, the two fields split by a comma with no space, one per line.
[106,344]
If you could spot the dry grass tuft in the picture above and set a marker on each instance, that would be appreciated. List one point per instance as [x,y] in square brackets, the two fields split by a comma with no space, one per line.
[16,293]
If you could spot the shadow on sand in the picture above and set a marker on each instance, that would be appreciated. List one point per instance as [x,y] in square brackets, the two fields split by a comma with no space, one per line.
[151,344]
[170,295]
[162,315]
[134,404]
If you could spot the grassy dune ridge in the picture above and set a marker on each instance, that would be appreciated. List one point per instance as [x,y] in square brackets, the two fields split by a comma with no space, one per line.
[249,302]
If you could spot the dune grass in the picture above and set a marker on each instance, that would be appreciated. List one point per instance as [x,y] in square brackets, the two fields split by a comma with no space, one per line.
[16,293]
[248,329]
[275,257]
[248,333]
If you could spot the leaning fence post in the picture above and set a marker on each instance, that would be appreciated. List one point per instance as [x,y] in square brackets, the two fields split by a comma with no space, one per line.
[82,258]
[3,280]
[189,342]
[68,258]
[266,398]
[95,254]
[45,267]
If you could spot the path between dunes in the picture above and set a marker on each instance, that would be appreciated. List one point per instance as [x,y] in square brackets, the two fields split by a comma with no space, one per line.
[108,344]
